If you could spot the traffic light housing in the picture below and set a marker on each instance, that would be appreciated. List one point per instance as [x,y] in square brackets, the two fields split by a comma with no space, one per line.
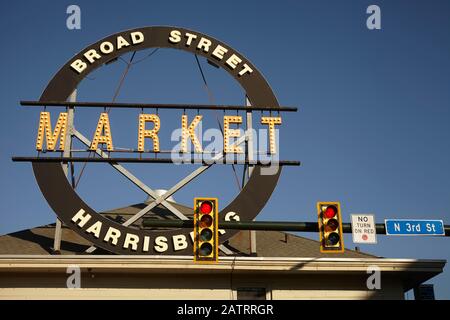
[330,227]
[206,225]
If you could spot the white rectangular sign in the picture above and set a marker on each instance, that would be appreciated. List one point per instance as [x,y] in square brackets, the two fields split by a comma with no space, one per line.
[363,228]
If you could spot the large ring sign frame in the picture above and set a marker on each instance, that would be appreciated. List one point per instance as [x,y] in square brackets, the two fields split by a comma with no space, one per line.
[66,203]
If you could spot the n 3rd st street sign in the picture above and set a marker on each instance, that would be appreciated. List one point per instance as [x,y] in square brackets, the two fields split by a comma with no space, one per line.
[405,227]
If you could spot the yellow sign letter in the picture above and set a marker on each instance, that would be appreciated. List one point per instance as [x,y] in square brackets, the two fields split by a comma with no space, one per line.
[45,125]
[153,133]
[99,137]
[190,132]
[271,121]
[227,133]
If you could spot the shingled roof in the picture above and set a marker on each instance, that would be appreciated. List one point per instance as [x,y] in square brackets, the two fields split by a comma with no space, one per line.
[39,240]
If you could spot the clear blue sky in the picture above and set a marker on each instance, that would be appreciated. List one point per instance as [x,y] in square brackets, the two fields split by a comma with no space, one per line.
[372,130]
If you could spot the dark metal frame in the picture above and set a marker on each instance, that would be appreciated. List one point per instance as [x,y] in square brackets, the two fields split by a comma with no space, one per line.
[65,201]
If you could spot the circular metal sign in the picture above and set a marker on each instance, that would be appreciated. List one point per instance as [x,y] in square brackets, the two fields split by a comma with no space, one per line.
[110,235]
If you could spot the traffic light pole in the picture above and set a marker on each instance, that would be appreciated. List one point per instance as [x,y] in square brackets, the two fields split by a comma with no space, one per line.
[263,225]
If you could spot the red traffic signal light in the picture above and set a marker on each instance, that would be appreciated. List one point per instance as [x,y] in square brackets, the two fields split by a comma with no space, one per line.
[330,212]
[330,227]
[206,241]
[206,207]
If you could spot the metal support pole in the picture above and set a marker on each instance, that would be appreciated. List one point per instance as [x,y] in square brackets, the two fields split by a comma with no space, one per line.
[67,147]
[249,140]
[249,145]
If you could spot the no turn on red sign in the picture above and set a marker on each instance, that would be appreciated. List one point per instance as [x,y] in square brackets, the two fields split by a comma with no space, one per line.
[363,228]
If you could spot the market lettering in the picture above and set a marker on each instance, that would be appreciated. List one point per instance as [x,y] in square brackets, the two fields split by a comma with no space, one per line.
[103,134]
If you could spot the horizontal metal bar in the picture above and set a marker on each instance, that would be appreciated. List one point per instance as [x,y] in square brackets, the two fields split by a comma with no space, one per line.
[154,106]
[251,225]
[122,150]
[261,225]
[154,160]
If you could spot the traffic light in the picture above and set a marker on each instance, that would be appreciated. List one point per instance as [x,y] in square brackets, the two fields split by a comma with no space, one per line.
[330,227]
[206,240]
